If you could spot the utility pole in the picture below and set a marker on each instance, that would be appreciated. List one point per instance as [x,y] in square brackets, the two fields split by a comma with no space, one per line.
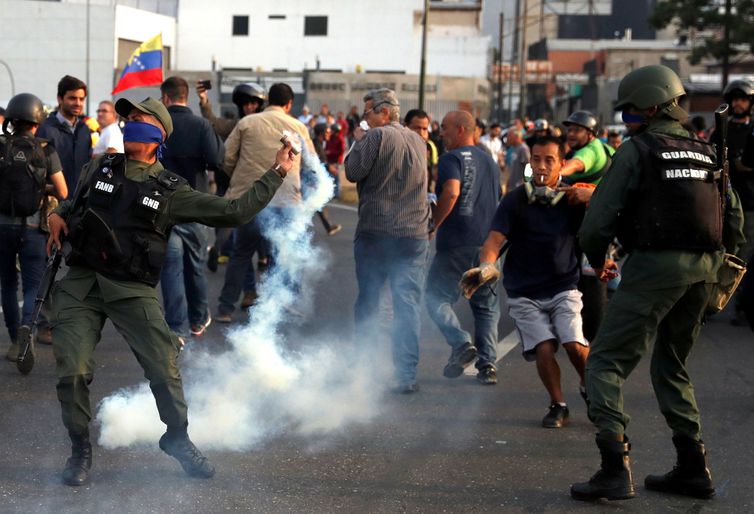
[88,85]
[726,44]
[514,58]
[423,66]
[499,77]
[522,65]
[542,19]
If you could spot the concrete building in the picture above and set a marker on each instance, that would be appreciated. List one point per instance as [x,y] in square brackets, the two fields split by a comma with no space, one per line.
[234,42]
[42,41]
[332,35]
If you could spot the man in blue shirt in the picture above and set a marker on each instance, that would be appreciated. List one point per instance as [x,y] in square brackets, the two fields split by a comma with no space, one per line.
[541,271]
[468,189]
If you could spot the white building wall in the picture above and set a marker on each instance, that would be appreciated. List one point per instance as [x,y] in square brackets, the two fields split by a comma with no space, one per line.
[375,35]
[138,25]
[42,41]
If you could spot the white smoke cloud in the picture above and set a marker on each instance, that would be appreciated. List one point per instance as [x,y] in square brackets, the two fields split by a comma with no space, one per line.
[258,388]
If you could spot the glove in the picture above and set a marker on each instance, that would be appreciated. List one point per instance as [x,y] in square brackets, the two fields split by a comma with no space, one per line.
[473,279]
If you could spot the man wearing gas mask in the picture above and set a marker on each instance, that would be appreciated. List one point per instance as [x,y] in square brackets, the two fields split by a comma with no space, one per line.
[116,229]
[540,272]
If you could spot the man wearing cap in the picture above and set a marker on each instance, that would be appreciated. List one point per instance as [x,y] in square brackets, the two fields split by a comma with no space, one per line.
[670,221]
[117,227]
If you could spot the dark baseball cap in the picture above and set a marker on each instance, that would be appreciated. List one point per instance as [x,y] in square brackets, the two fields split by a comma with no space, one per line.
[147,106]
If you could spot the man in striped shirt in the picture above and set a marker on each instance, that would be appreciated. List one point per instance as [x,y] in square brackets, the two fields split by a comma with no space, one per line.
[388,162]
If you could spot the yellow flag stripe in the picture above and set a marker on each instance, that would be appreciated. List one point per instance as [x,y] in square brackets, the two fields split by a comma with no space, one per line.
[147,46]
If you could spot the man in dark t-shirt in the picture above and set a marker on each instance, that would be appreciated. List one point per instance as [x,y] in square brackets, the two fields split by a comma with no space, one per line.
[541,271]
[468,190]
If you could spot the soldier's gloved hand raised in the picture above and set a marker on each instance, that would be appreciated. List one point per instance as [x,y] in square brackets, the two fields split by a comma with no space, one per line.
[56,224]
[473,279]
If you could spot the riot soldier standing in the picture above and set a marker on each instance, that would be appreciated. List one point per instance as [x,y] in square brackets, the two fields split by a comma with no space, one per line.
[739,94]
[118,225]
[661,200]
[27,164]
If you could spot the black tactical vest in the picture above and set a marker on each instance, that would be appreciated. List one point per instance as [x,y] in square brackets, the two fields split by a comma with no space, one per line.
[677,206]
[120,230]
[23,171]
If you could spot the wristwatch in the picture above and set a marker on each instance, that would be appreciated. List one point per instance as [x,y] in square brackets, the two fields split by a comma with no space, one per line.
[278,168]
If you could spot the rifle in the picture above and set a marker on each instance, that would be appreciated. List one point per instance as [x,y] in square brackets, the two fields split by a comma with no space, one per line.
[25,360]
[721,149]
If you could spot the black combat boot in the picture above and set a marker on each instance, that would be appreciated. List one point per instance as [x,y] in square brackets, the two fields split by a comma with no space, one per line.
[690,476]
[77,467]
[177,444]
[613,480]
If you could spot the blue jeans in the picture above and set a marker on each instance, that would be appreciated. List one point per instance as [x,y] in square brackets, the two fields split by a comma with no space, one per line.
[184,279]
[443,291]
[403,262]
[240,270]
[29,245]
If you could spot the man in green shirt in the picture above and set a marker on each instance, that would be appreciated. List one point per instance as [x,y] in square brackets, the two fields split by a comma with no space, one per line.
[117,228]
[591,158]
[662,202]
[588,164]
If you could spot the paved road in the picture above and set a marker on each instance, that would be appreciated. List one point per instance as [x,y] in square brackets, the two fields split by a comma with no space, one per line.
[454,447]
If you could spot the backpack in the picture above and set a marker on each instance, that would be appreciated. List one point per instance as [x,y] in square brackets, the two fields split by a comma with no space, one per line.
[22,175]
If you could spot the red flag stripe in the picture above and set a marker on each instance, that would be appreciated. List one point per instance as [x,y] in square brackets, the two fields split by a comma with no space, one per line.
[139,79]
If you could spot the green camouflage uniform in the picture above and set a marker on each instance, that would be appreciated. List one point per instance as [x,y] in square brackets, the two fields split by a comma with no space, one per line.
[662,294]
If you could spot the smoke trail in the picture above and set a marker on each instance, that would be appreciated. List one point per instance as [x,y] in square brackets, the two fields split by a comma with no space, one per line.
[259,389]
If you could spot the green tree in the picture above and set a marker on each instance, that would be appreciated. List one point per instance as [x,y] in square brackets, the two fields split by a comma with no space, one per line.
[730,24]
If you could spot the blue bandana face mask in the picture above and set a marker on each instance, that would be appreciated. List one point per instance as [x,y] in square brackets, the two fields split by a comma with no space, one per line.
[628,117]
[140,132]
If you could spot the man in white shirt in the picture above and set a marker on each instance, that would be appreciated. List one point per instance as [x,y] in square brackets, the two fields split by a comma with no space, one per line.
[493,142]
[110,136]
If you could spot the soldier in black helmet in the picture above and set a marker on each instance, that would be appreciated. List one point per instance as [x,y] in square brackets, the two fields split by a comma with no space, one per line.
[27,165]
[662,201]
[739,95]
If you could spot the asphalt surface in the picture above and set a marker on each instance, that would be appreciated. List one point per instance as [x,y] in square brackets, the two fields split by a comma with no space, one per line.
[455,446]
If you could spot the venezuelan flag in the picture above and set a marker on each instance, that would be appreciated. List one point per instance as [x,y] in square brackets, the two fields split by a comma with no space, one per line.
[144,68]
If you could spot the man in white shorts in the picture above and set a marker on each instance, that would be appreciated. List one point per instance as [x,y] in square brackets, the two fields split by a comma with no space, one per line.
[539,220]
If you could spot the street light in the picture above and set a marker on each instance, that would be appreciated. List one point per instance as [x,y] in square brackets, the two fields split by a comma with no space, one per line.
[10,75]
[423,65]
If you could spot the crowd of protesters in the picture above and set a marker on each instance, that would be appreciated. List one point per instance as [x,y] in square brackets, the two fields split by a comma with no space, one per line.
[479,191]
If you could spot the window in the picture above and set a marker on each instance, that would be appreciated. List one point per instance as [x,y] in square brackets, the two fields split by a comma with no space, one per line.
[276,16]
[240,25]
[315,25]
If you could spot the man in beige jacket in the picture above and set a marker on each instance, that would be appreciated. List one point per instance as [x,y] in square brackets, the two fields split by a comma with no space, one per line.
[247,150]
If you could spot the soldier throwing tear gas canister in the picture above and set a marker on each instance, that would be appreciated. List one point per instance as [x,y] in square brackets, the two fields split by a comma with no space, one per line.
[662,200]
[116,241]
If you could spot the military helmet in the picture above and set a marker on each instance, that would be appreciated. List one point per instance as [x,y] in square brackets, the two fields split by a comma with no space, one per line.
[647,86]
[742,86]
[583,119]
[25,107]
[541,124]
[249,91]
